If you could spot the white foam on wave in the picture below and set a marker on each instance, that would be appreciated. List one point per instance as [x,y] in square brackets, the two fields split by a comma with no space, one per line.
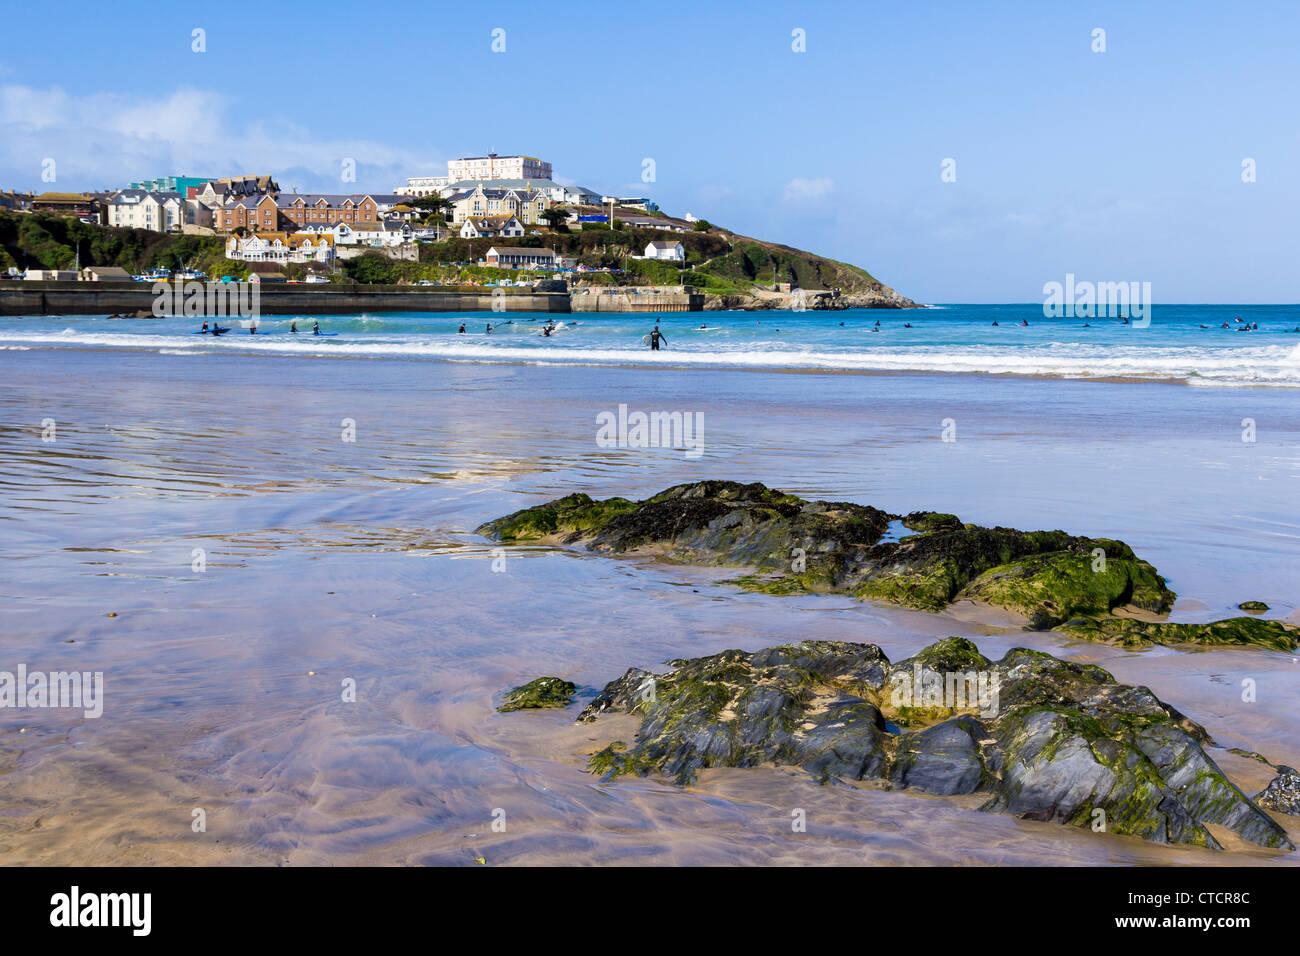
[1238,366]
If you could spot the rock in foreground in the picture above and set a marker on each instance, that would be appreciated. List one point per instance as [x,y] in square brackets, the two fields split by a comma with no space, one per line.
[1283,792]
[796,546]
[542,693]
[1044,739]
[1274,635]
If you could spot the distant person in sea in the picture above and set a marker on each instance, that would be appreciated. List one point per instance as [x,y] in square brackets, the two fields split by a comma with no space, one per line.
[656,337]
[315,328]
[461,331]
[205,325]
[995,322]
[1254,326]
[488,330]
[906,325]
[293,326]
[1024,321]
[1088,325]
[252,330]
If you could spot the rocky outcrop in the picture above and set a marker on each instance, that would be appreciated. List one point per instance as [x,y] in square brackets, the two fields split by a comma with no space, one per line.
[812,301]
[1042,738]
[1051,578]
[540,694]
[1274,635]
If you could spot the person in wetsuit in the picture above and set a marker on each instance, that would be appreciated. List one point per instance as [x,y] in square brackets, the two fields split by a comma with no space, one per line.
[315,328]
[461,330]
[293,326]
[655,337]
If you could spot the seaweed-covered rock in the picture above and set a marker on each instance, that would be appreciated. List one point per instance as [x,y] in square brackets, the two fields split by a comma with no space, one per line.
[1283,792]
[1245,631]
[796,545]
[1044,738]
[542,693]
[1252,607]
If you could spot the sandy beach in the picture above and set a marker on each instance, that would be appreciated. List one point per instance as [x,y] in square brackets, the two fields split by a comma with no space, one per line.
[329,562]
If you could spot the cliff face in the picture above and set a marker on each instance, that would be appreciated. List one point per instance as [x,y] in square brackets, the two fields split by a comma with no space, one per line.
[820,283]
[882,297]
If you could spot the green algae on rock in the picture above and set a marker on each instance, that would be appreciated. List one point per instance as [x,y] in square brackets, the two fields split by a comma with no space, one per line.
[542,693]
[1252,607]
[1244,631]
[1054,740]
[794,545]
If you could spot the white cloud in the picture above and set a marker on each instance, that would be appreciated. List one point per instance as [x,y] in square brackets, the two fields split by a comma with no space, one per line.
[800,189]
[105,140]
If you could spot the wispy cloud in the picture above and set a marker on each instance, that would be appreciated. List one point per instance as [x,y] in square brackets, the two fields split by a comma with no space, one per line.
[800,189]
[106,139]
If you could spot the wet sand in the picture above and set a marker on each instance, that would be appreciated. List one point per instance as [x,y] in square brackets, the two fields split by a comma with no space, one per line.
[330,561]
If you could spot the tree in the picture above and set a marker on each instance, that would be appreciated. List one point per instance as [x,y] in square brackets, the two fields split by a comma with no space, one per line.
[556,216]
[434,207]
[703,225]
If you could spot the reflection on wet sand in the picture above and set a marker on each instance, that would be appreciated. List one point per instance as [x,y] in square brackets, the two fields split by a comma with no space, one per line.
[327,561]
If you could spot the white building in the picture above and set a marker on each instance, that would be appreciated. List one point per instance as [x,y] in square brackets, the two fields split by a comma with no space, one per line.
[476,226]
[141,209]
[493,166]
[281,247]
[513,257]
[418,186]
[672,251]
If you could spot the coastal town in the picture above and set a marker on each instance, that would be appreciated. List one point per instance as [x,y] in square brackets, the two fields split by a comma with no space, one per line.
[490,220]
[494,197]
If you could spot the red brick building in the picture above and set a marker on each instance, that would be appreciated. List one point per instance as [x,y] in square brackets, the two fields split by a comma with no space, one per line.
[289,211]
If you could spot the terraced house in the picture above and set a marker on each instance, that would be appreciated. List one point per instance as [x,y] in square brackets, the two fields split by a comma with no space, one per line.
[281,247]
[291,211]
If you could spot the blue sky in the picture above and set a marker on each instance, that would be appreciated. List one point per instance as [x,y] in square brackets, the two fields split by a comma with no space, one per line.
[1115,166]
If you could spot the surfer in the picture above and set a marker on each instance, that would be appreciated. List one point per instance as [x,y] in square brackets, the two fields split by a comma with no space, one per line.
[489,329]
[293,326]
[252,330]
[995,322]
[205,325]
[315,328]
[655,337]
[461,330]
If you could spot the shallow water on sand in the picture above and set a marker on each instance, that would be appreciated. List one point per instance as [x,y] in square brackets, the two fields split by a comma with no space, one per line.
[329,560]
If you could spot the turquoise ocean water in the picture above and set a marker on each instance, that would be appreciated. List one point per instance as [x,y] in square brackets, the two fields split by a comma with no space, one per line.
[1183,343]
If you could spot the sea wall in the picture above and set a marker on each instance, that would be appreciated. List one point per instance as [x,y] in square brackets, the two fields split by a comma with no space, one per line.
[113,298]
[636,302]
